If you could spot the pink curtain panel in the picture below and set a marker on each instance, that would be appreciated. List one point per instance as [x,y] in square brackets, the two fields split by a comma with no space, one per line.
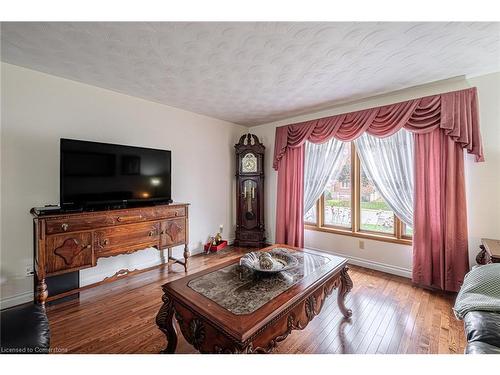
[443,125]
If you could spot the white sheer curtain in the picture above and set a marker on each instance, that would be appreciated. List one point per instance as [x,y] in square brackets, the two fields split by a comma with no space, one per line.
[322,162]
[388,162]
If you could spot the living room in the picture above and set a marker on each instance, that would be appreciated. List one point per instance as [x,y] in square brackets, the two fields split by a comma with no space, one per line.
[291,187]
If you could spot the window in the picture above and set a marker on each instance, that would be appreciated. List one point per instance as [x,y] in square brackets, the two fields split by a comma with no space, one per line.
[352,205]
[338,196]
[376,215]
[311,216]
[407,231]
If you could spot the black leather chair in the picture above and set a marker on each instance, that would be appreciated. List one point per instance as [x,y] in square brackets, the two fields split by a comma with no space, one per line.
[24,330]
[483,332]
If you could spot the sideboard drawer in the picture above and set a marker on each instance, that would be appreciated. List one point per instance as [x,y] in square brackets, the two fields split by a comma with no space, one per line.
[69,252]
[126,238]
[75,224]
[170,212]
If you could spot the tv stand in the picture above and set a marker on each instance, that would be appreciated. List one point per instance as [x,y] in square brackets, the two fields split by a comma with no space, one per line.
[67,242]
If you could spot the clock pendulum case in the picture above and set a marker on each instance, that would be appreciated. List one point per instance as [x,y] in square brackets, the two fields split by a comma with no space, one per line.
[250,230]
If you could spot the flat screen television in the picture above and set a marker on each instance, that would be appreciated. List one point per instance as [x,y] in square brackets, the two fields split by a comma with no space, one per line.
[96,174]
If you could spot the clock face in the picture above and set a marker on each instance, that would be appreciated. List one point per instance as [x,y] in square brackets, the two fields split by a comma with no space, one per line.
[249,163]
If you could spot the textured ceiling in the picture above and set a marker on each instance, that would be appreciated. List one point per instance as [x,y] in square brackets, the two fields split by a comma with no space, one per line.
[253,73]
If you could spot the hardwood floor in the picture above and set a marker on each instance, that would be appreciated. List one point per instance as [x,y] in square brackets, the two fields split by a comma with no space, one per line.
[389,316]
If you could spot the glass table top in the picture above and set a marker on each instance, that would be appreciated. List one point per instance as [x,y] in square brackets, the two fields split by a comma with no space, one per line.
[242,291]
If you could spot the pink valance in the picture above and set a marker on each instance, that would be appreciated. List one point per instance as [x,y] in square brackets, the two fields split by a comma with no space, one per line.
[456,113]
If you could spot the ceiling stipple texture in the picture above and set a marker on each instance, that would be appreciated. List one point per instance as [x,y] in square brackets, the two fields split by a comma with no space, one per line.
[253,73]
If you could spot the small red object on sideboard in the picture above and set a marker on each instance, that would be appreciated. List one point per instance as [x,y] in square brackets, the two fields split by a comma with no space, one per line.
[215,248]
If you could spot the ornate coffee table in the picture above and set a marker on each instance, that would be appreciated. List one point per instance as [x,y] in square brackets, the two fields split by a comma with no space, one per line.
[230,309]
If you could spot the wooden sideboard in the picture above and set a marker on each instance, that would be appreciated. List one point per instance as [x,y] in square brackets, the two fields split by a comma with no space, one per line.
[68,242]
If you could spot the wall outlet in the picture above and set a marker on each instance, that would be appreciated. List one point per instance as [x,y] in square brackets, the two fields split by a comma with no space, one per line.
[361,245]
[29,270]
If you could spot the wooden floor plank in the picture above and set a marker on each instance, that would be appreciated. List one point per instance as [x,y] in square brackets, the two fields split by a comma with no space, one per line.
[390,315]
[385,321]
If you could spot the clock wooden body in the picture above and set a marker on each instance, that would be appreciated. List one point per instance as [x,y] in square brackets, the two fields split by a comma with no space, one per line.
[250,230]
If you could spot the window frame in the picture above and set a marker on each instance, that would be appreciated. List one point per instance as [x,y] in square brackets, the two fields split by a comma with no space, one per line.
[398,236]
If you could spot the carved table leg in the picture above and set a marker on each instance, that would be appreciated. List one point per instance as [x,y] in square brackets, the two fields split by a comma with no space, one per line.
[41,292]
[186,256]
[481,257]
[164,320]
[345,287]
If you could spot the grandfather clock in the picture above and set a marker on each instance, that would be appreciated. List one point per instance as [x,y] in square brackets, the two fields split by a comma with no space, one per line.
[250,229]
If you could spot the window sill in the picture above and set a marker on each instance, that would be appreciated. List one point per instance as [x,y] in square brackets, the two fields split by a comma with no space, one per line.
[367,235]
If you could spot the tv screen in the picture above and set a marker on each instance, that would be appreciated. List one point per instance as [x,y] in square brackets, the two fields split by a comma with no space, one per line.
[95,173]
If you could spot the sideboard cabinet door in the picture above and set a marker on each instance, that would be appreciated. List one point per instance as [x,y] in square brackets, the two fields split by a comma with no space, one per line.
[70,251]
[173,232]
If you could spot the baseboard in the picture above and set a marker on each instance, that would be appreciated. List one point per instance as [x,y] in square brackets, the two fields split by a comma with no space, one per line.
[18,299]
[383,267]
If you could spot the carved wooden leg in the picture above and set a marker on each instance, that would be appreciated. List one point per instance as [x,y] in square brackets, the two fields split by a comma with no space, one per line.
[186,256]
[164,320]
[41,292]
[345,287]
[481,257]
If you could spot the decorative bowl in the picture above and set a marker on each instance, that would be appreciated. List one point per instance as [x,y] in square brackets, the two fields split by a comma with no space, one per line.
[259,261]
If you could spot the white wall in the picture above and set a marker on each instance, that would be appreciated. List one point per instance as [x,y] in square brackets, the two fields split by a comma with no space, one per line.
[482,179]
[38,109]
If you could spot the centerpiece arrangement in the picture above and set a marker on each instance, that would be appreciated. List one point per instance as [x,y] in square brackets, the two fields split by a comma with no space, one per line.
[269,262]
